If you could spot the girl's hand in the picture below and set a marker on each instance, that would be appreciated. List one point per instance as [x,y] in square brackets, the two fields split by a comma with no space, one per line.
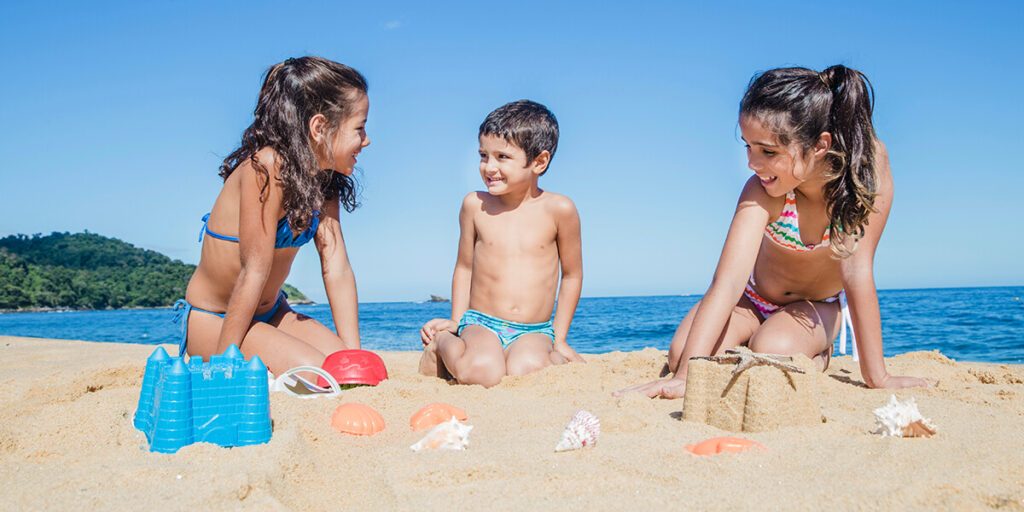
[899,382]
[667,388]
[568,352]
[431,328]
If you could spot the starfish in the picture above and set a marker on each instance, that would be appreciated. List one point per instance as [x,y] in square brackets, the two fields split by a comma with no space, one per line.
[746,359]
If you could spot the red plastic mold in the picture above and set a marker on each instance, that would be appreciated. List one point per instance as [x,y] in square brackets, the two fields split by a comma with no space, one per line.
[354,367]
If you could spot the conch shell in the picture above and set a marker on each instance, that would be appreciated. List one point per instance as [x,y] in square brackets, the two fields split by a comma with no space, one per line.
[582,431]
[902,419]
[450,435]
[435,414]
[357,419]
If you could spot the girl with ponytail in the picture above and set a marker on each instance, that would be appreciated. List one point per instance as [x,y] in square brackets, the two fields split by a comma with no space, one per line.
[283,186]
[784,271]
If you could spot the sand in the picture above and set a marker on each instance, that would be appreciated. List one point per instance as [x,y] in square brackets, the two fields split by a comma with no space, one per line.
[67,442]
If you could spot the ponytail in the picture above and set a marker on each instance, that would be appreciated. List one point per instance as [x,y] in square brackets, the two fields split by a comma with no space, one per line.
[800,104]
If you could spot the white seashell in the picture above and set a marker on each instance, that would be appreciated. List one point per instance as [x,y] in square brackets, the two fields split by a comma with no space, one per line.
[582,431]
[450,435]
[902,419]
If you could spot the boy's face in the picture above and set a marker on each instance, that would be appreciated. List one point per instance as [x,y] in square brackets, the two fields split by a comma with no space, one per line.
[504,168]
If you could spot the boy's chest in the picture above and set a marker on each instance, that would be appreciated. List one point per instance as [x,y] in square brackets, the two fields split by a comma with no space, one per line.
[516,233]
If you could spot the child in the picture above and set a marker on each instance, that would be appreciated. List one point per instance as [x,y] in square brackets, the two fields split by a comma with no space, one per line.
[810,143]
[282,188]
[513,238]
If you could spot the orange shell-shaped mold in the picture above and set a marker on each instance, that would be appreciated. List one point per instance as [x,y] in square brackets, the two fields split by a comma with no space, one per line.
[435,414]
[717,445]
[357,419]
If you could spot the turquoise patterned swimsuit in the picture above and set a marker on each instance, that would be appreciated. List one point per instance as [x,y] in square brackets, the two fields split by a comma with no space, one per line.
[506,331]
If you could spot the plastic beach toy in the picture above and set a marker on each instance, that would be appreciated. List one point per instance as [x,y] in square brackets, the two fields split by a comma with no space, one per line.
[354,367]
[717,445]
[293,383]
[434,414]
[225,401]
[357,419]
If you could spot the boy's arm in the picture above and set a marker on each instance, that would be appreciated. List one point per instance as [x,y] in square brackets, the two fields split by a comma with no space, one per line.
[570,256]
[463,275]
[339,280]
[859,283]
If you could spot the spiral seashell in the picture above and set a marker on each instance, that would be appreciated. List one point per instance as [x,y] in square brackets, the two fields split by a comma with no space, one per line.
[435,414]
[357,419]
[582,431]
[449,435]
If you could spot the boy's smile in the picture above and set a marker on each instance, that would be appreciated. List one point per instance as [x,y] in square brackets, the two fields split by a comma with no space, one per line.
[503,166]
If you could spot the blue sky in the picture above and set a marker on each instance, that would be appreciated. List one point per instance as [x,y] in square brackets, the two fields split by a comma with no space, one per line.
[115,117]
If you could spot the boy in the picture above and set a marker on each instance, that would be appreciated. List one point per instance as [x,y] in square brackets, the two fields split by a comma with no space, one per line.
[513,239]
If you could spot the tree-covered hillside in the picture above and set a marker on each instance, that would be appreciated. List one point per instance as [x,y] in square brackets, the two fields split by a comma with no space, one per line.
[89,271]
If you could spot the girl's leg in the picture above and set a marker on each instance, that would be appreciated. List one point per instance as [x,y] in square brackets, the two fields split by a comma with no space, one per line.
[742,323]
[529,353]
[804,327]
[308,330]
[277,349]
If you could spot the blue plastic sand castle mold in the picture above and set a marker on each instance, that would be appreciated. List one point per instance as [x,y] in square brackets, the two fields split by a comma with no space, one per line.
[225,401]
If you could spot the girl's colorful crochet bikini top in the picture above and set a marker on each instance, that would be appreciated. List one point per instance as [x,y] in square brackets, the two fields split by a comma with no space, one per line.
[785,231]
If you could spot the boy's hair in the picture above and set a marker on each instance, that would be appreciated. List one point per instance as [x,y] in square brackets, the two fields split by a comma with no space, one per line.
[526,124]
[293,92]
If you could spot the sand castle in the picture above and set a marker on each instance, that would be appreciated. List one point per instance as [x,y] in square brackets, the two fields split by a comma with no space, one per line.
[743,391]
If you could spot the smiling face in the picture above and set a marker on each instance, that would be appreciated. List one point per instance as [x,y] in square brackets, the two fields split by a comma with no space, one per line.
[781,168]
[345,141]
[504,168]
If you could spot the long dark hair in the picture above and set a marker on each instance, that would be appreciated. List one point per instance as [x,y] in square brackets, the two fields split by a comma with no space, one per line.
[798,104]
[293,92]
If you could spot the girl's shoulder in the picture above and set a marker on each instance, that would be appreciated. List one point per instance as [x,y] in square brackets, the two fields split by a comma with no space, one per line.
[883,172]
[754,195]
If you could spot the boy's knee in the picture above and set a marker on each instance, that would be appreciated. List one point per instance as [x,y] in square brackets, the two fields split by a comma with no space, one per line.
[486,372]
[526,364]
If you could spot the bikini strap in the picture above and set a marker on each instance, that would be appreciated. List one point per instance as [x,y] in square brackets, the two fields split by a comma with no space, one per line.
[181,310]
[847,323]
[206,230]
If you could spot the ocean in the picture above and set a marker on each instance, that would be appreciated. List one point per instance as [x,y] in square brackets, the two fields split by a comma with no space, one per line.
[969,324]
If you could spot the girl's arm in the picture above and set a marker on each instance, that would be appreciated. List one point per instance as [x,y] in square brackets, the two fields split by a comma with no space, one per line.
[859,282]
[257,231]
[570,255]
[339,280]
[739,254]
[734,267]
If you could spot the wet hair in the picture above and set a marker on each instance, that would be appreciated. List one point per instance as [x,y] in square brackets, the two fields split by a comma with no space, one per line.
[799,104]
[526,124]
[293,92]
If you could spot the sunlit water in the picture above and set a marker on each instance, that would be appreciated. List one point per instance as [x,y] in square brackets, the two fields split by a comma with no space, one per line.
[972,324]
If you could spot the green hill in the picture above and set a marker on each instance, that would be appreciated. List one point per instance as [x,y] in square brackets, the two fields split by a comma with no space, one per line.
[90,271]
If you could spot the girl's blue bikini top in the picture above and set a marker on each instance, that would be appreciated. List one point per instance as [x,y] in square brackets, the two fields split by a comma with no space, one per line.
[285,238]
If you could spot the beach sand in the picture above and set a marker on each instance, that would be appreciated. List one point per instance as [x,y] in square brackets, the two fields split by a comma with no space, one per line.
[67,442]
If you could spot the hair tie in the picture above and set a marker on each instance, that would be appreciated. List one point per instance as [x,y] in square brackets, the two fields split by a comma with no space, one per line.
[821,76]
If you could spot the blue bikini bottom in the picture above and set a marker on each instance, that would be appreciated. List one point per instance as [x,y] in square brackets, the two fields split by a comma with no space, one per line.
[182,309]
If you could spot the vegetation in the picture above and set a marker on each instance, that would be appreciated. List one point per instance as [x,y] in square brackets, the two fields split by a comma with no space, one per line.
[90,271]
